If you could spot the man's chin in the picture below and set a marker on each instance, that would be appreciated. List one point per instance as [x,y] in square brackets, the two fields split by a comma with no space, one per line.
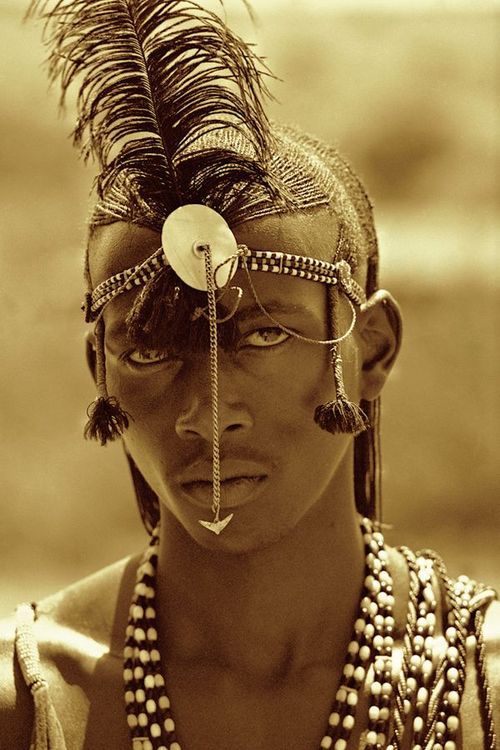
[240,536]
[239,544]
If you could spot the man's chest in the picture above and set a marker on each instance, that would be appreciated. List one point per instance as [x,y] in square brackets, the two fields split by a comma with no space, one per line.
[217,709]
[211,710]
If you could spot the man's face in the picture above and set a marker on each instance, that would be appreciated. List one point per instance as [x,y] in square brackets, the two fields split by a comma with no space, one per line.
[276,463]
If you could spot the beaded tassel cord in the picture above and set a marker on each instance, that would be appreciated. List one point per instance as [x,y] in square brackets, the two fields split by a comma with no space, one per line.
[47,731]
[420,706]
[340,414]
[106,419]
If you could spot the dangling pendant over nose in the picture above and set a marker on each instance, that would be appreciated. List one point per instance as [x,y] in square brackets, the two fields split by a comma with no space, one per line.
[217,526]
[194,238]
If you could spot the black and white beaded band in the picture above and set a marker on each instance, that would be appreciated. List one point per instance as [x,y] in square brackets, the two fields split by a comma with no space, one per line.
[289,264]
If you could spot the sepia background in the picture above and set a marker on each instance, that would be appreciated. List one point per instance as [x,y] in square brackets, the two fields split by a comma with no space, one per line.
[409,92]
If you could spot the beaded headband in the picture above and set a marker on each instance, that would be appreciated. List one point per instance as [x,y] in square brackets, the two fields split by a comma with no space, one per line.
[288,264]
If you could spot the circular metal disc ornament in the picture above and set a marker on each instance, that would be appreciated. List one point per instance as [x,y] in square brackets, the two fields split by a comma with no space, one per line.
[184,231]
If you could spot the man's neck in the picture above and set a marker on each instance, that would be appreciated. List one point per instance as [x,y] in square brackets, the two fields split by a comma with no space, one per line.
[266,614]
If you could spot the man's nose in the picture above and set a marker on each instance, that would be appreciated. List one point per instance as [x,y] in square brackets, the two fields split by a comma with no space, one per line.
[195,420]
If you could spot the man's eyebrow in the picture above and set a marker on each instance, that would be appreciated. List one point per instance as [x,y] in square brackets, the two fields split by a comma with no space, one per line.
[117,329]
[274,308]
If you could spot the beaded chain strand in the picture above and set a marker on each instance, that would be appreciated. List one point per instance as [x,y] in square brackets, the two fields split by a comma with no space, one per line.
[147,705]
[372,637]
[423,701]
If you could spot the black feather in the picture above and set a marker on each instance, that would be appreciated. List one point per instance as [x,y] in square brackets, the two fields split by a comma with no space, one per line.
[157,79]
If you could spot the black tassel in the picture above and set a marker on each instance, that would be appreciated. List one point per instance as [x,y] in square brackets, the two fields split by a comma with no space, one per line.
[106,420]
[341,416]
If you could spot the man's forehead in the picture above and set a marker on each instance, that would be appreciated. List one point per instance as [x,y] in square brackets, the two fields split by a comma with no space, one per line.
[115,247]
[312,233]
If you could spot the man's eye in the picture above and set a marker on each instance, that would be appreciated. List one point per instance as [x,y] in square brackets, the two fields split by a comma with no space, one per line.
[263,337]
[144,358]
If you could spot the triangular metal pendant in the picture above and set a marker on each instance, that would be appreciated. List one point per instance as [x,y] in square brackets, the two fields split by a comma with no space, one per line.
[217,526]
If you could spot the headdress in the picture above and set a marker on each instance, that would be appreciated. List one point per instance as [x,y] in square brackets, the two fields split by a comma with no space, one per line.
[170,106]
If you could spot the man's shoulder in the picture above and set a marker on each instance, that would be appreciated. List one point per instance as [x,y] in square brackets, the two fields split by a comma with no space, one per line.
[473,703]
[16,711]
[492,627]
[492,651]
[89,608]
[74,628]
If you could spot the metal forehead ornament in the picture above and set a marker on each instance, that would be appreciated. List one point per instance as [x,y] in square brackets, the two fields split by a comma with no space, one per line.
[186,233]
[196,240]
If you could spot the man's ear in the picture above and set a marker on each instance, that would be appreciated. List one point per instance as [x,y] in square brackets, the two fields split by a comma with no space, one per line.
[380,329]
[90,352]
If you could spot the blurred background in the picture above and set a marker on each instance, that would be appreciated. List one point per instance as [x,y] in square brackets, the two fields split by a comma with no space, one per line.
[409,92]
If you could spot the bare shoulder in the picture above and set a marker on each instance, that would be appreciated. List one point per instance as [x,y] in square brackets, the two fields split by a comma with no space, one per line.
[492,628]
[87,611]
[473,705]
[492,647]
[16,711]
[75,629]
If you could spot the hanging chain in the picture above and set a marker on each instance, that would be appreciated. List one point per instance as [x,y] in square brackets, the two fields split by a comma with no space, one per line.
[214,381]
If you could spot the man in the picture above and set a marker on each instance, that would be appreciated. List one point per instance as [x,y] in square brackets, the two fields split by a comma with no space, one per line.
[264,613]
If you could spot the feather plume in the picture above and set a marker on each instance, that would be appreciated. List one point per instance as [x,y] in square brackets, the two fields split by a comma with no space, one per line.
[158,78]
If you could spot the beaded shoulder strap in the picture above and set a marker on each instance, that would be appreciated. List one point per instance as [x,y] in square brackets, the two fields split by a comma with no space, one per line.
[47,730]
[466,602]
[432,680]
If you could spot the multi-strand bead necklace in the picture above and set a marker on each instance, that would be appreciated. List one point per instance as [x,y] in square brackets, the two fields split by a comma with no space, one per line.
[422,700]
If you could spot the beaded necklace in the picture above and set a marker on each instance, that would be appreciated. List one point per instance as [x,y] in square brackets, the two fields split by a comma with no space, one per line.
[424,700]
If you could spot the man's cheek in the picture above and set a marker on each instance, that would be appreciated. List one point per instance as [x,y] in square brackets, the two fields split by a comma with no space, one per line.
[141,397]
[351,365]
[151,455]
[290,419]
[319,389]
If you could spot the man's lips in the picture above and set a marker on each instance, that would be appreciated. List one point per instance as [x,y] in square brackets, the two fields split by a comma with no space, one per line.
[202,471]
[242,478]
[235,490]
